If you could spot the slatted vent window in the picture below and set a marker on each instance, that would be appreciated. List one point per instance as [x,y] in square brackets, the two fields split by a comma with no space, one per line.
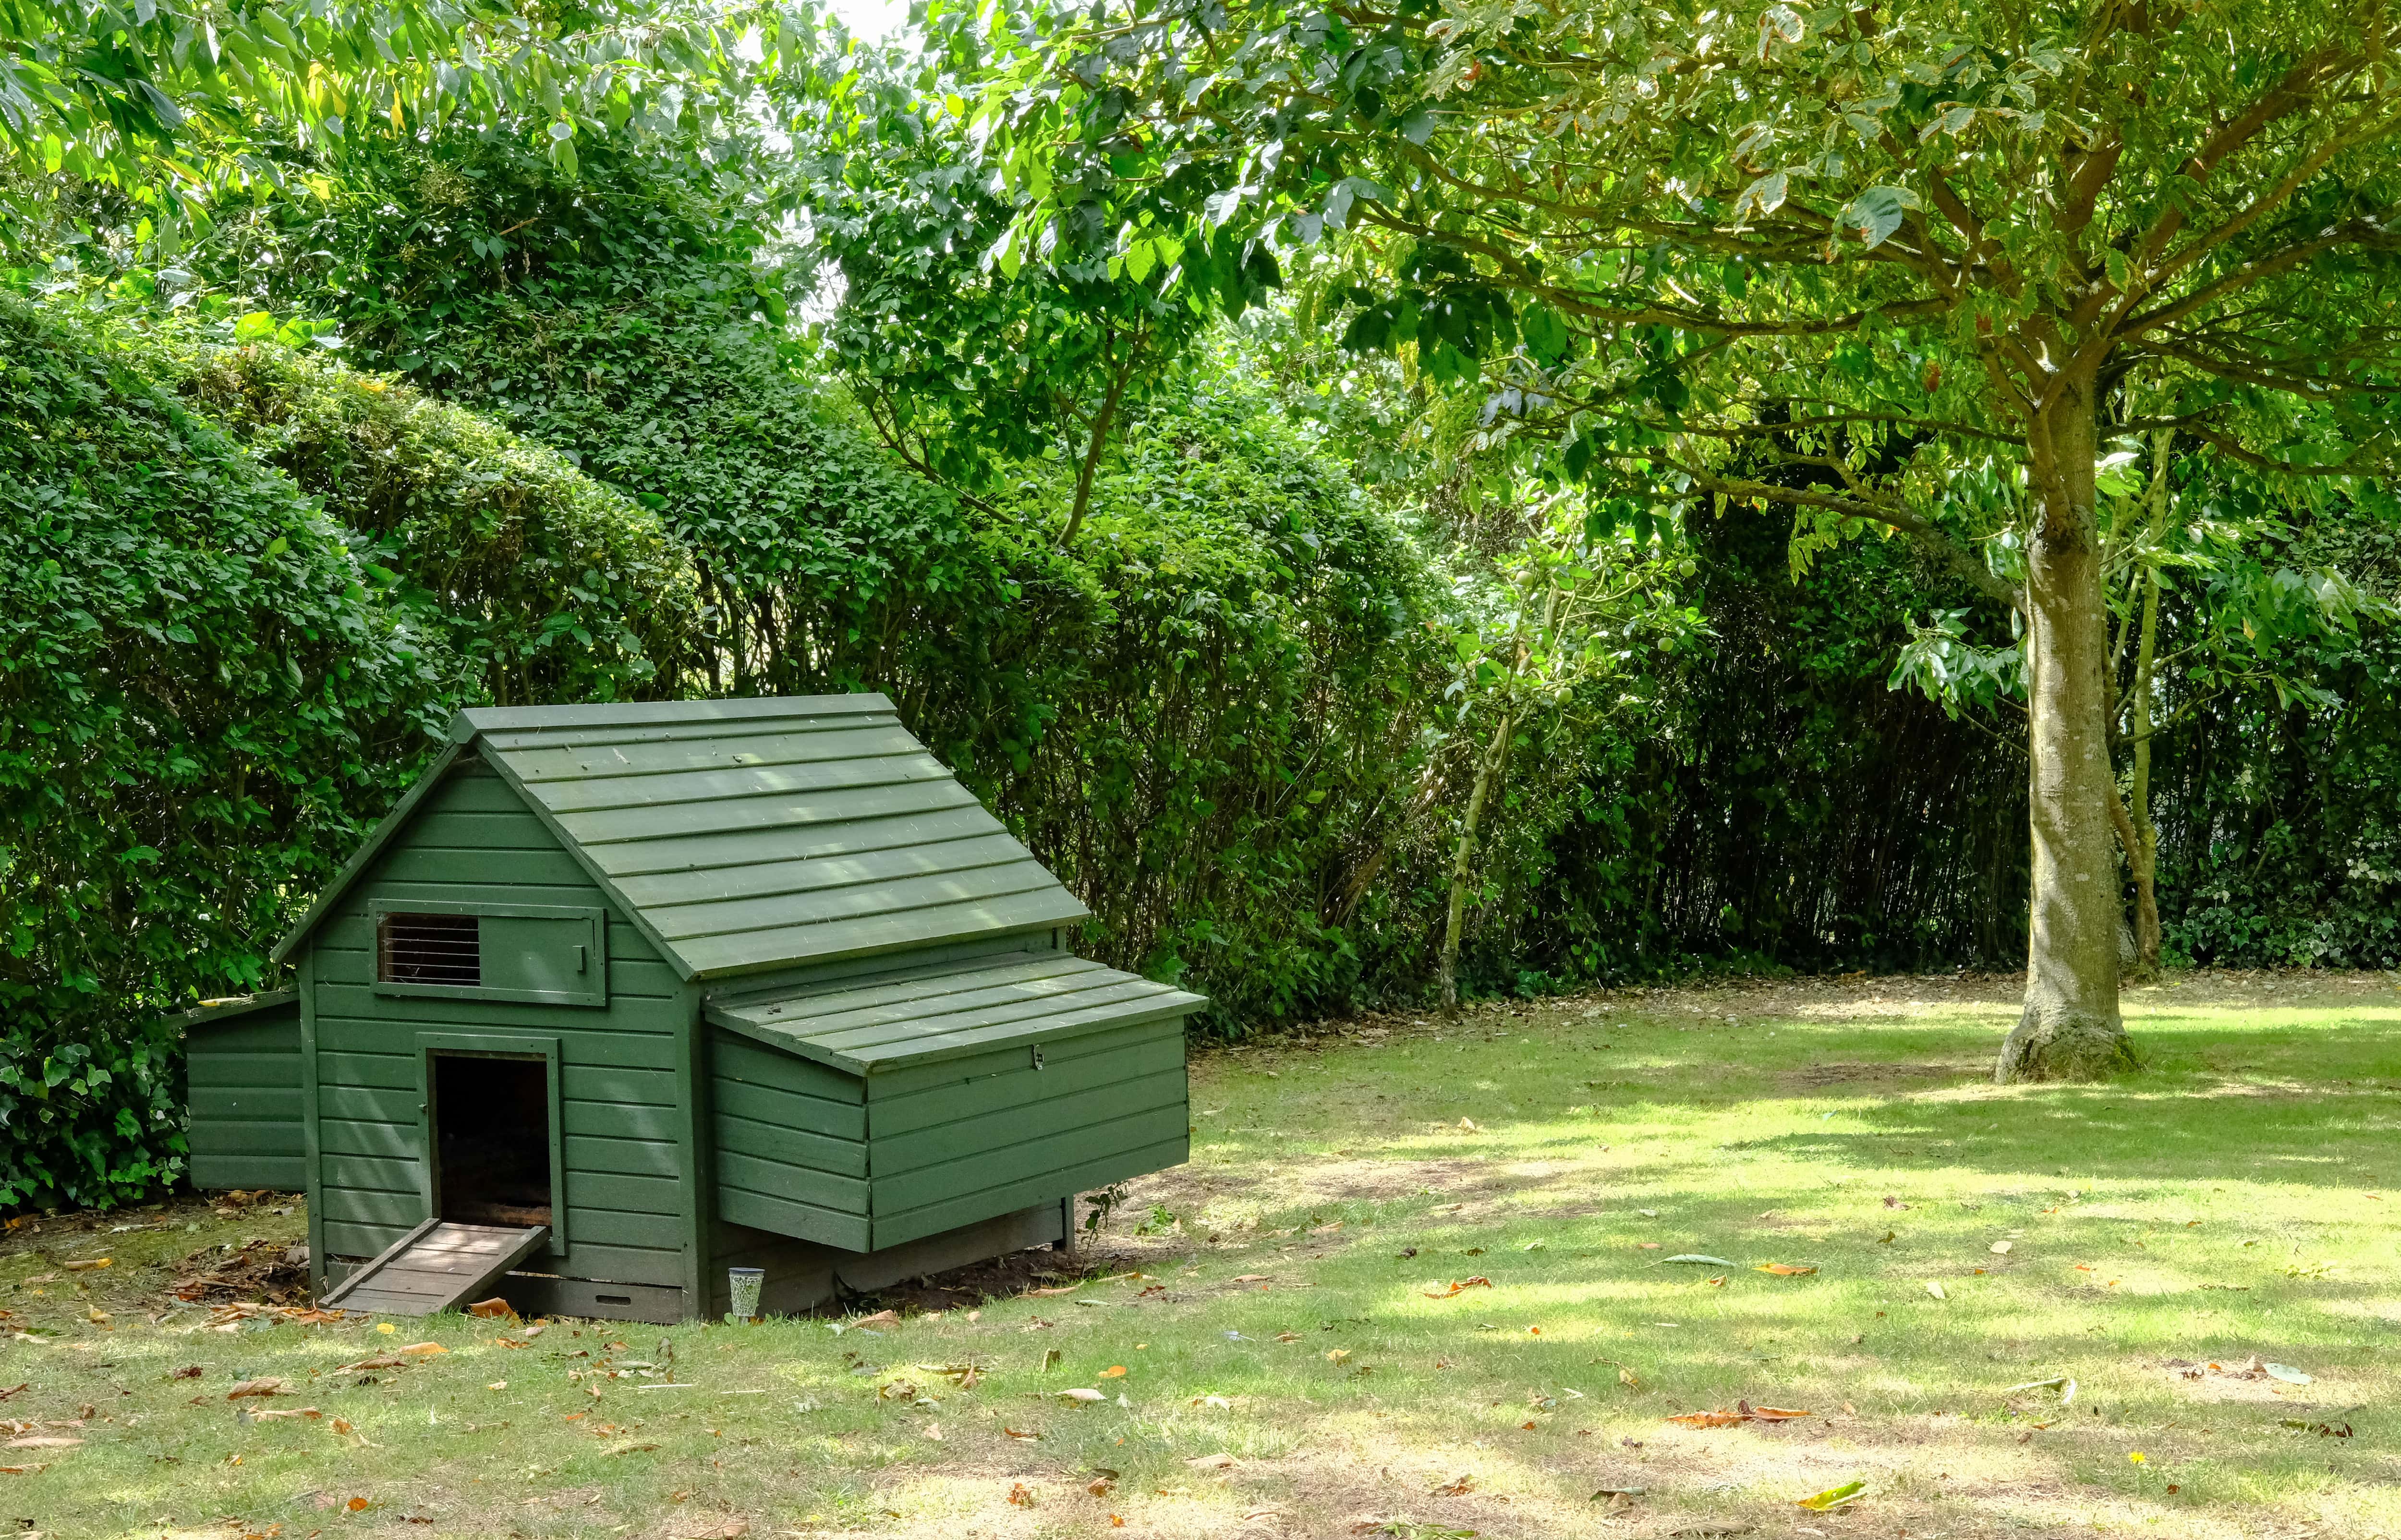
[432,948]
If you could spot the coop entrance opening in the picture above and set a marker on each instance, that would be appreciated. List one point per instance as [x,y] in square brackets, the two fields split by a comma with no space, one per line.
[491,1119]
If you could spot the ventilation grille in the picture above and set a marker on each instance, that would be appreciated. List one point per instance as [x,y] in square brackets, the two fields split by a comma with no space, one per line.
[430,949]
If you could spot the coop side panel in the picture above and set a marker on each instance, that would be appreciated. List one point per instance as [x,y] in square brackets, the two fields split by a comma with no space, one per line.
[245,1127]
[790,1143]
[625,1140]
[969,1139]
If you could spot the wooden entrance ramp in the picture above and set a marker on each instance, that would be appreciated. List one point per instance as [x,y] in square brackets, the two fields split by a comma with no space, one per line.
[439,1265]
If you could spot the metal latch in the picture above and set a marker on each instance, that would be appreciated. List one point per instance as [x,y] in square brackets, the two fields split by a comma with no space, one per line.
[1037,1057]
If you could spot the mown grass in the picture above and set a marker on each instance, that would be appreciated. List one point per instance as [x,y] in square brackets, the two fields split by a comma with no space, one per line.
[2236,1200]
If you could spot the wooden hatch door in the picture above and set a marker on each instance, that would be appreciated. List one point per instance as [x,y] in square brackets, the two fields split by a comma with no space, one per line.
[440,1265]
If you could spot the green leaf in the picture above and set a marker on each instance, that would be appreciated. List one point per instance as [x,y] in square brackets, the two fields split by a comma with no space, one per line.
[1836,1497]
[257,326]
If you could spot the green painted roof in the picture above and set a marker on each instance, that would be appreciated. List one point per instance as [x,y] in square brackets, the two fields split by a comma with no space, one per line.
[752,834]
[210,1012]
[916,1016]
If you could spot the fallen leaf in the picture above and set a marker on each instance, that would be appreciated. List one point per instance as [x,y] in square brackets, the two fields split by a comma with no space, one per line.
[309,1413]
[1698,1261]
[424,1350]
[1626,1377]
[43,1442]
[2287,1373]
[1773,1414]
[629,1446]
[1114,1371]
[493,1309]
[1020,1496]
[1213,1462]
[356,1504]
[1218,1401]
[1101,1485]
[1253,1278]
[1468,1125]
[1708,1419]
[933,1431]
[87,1266]
[1337,1355]
[1936,1289]
[1835,1498]
[265,1385]
[498,1384]
[892,1318]
[1029,1438]
[1085,1397]
[342,1425]
[2000,1249]
[1459,1487]
[1785,1270]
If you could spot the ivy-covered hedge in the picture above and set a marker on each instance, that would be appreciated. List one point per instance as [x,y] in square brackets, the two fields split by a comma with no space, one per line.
[544,584]
[201,696]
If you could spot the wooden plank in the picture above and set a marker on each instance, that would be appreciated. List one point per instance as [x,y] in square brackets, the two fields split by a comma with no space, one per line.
[372,1172]
[622,1156]
[438,1267]
[790,1145]
[802,1222]
[266,1103]
[413,1232]
[820,1189]
[1040,909]
[766,1104]
[642,797]
[1024,1159]
[515,830]
[497,720]
[473,792]
[543,760]
[631,1194]
[235,1068]
[597,831]
[738,1059]
[895,1229]
[641,999]
[362,1205]
[857,1032]
[1139,1052]
[511,745]
[344,1239]
[1004,1125]
[767,879]
[907,988]
[959,816]
[424,860]
[896,1084]
[215,1173]
[1020,874]
[1171,1007]
[619,1263]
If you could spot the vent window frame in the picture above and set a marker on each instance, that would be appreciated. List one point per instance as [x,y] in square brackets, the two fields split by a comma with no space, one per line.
[583,928]
[466,925]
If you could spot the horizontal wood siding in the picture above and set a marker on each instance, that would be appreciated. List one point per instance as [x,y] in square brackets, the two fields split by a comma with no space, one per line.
[244,1126]
[964,1139]
[791,1151]
[628,1213]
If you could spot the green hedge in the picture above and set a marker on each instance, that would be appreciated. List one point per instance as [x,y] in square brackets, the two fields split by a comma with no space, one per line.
[203,694]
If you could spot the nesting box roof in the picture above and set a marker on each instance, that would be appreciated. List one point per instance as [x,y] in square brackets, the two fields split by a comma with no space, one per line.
[752,834]
[926,1013]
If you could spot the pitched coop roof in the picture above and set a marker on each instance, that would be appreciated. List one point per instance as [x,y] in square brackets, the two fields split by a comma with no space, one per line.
[751,834]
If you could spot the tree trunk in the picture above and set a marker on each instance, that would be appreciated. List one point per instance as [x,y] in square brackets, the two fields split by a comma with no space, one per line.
[2070,1029]
[2145,857]
[1462,859]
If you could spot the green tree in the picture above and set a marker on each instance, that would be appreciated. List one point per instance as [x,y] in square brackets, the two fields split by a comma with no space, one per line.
[1892,270]
[168,102]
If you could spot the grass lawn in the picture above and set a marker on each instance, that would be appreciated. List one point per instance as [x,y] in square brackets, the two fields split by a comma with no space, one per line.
[1294,1359]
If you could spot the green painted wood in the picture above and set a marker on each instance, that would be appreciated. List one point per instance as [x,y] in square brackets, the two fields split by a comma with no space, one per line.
[629,1157]
[628,1013]
[597,831]
[505,835]
[688,729]
[650,795]
[841,831]
[737,889]
[633,715]
[617,1263]
[861,1034]
[365,1206]
[904,985]
[346,1238]
[967,1207]
[797,1147]
[735,1059]
[277,1068]
[716,956]
[773,1108]
[786,1216]
[219,1173]
[1020,874]
[595,1190]
[1020,1160]
[653,1231]
[1140,1052]
[421,860]
[236,1138]
[279,1104]
[369,1174]
[819,1189]
[893,1089]
[737,753]
[1005,1126]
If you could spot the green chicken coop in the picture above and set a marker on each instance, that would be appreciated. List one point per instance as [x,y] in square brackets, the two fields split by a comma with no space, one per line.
[620,997]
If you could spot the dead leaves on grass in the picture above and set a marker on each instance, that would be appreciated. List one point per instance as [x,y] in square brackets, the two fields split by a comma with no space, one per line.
[1744,1412]
[1458,1287]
